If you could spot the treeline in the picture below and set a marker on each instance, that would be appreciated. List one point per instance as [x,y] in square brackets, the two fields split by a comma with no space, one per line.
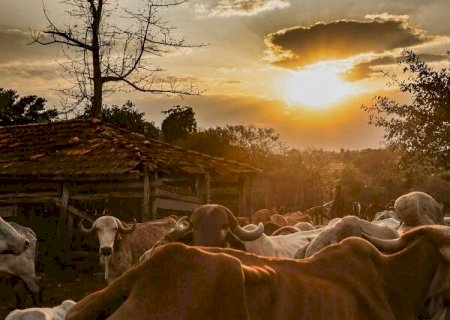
[291,179]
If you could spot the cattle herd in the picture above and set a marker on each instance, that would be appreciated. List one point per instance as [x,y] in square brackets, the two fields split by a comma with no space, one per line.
[212,265]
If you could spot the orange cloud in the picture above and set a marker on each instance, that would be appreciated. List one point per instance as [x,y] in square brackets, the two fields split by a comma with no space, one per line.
[365,70]
[300,46]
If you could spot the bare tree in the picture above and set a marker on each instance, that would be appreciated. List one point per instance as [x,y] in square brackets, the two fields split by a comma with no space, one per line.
[108,47]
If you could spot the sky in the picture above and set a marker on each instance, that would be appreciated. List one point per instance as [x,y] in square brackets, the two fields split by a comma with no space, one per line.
[302,67]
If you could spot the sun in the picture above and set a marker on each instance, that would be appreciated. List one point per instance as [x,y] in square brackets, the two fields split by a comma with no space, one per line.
[317,87]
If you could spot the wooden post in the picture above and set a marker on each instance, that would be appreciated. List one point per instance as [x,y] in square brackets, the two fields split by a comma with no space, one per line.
[207,188]
[146,197]
[154,193]
[248,198]
[62,219]
[241,197]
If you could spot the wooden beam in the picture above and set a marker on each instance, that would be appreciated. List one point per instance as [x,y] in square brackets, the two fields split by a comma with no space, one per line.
[28,200]
[128,176]
[175,196]
[177,205]
[76,212]
[101,196]
[28,195]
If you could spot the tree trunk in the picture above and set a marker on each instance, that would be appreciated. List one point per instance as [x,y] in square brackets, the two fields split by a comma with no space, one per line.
[97,99]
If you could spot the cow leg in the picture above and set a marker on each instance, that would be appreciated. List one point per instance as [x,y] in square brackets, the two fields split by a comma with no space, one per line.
[33,288]
[16,285]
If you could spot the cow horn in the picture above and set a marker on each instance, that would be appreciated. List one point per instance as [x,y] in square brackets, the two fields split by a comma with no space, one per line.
[244,235]
[128,229]
[387,246]
[182,226]
[83,229]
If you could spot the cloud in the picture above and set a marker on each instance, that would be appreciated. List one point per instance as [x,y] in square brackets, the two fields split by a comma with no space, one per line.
[226,8]
[15,44]
[369,68]
[300,46]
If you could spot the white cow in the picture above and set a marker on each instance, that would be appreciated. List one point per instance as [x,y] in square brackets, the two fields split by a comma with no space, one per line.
[23,265]
[11,241]
[281,245]
[417,209]
[55,313]
[349,226]
[121,245]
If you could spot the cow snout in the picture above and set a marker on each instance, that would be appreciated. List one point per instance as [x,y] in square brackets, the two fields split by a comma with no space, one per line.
[106,251]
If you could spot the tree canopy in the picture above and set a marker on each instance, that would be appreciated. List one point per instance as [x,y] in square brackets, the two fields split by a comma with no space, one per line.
[22,110]
[128,117]
[420,128]
[179,123]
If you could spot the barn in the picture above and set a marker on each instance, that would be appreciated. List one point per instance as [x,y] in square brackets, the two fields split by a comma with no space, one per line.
[53,174]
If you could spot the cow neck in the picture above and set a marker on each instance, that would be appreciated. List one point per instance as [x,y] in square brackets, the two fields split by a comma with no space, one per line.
[409,273]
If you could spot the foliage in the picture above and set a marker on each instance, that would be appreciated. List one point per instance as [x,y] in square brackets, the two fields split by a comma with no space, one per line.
[421,128]
[179,123]
[127,117]
[108,47]
[22,110]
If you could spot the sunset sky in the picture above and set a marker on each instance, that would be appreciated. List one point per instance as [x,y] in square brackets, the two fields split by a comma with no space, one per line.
[302,67]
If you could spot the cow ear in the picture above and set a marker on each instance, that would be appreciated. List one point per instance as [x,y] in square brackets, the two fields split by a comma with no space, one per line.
[235,242]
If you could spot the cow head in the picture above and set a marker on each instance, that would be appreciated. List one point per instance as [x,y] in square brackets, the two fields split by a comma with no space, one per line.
[108,229]
[11,241]
[418,208]
[214,225]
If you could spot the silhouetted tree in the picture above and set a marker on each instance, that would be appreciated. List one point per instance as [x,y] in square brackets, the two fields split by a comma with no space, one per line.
[179,123]
[128,117]
[22,110]
[108,47]
[421,128]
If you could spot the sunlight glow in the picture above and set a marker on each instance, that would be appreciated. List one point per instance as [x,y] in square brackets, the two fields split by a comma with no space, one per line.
[318,86]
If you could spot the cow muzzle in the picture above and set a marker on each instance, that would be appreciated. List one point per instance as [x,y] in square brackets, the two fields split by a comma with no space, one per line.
[106,251]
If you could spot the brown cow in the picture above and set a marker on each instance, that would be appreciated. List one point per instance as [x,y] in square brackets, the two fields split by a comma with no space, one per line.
[349,281]
[293,218]
[120,245]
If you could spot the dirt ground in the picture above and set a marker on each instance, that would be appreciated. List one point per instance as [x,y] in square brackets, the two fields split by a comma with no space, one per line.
[57,287]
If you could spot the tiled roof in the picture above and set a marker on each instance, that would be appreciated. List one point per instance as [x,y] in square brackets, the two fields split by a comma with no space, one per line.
[90,147]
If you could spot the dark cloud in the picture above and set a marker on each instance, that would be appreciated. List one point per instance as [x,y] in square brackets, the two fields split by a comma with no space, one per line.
[225,8]
[300,46]
[16,45]
[364,70]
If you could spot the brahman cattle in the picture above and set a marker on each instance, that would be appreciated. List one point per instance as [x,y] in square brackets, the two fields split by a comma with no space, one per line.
[347,281]
[22,266]
[418,208]
[347,227]
[11,241]
[121,245]
[214,225]
[55,313]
